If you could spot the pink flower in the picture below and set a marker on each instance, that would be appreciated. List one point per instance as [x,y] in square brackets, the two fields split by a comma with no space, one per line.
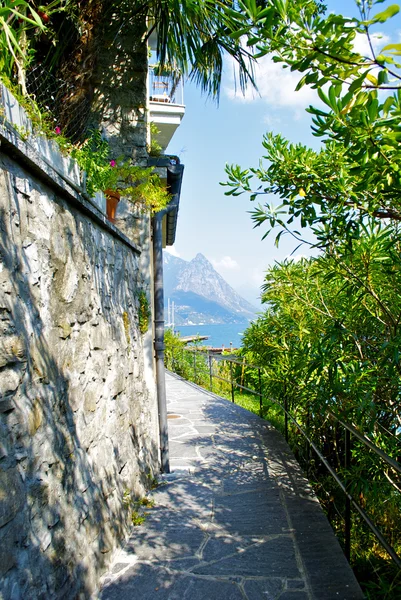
[57,130]
[113,163]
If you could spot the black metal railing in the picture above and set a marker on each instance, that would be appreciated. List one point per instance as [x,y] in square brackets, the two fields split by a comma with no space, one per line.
[204,368]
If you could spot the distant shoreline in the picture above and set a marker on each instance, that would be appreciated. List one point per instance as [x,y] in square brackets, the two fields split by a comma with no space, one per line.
[218,335]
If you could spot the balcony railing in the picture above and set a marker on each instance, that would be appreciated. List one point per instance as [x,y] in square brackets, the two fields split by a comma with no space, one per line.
[165,89]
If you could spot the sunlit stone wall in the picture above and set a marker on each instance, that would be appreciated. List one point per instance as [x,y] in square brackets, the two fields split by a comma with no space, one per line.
[78,427]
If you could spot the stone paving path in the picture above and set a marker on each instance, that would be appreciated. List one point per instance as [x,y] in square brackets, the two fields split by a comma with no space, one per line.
[235,520]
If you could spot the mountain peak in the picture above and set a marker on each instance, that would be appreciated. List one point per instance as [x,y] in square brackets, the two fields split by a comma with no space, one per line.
[201,259]
[198,283]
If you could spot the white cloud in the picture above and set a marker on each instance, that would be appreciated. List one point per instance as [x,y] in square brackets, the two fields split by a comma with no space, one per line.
[361,43]
[257,276]
[362,46]
[172,250]
[276,87]
[226,262]
[296,257]
[271,120]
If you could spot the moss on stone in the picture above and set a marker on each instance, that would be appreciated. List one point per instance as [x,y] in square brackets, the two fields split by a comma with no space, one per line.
[126,322]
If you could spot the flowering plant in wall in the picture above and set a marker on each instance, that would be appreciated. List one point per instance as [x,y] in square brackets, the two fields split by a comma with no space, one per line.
[118,177]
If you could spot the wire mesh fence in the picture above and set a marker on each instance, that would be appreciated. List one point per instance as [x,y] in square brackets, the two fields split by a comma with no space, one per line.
[65,105]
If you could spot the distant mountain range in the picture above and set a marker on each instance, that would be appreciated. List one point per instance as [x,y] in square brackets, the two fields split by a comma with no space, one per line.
[201,295]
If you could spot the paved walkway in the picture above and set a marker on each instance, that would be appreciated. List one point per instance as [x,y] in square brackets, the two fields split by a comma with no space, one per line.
[235,520]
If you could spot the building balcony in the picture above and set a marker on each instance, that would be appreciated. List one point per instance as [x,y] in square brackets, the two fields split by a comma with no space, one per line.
[166,105]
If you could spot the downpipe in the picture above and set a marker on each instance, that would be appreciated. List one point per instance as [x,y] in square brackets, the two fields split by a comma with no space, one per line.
[157,224]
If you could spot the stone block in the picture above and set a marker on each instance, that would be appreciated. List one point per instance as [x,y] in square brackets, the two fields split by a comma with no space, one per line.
[37,228]
[46,205]
[69,287]
[38,360]
[47,446]
[12,350]
[91,398]
[6,404]
[32,264]
[79,351]
[5,299]
[35,416]
[99,336]
[10,535]
[23,186]
[123,405]
[9,380]
[107,541]
[58,246]
[115,382]
[12,495]
[65,330]
[82,477]
[3,451]
[86,428]
[41,535]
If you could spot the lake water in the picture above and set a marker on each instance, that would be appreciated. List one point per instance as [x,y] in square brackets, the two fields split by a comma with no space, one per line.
[219,335]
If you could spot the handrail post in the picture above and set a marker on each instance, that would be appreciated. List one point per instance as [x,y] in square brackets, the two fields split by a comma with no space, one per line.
[347,464]
[260,392]
[242,373]
[210,371]
[194,366]
[307,442]
[232,384]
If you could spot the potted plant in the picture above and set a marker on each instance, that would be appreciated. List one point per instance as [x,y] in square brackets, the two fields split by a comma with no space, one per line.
[112,200]
[116,178]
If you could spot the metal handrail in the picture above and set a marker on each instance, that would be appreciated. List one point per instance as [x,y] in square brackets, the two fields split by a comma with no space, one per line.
[164,88]
[343,486]
[352,429]
[348,428]
[231,360]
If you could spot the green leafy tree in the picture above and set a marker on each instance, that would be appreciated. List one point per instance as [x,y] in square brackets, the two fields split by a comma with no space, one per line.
[332,324]
[356,173]
[329,344]
[17,20]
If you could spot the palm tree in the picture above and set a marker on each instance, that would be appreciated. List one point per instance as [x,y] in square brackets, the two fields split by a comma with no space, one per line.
[93,36]
[193,38]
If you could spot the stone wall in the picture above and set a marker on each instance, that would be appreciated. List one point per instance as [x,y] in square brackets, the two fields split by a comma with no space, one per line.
[78,412]
[120,88]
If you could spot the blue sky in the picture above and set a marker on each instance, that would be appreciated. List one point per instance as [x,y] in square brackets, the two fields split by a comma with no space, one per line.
[210,136]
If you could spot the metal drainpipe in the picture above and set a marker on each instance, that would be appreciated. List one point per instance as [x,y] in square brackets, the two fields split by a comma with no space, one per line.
[159,339]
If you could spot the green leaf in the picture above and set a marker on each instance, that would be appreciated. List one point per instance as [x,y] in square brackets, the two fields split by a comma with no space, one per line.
[395,47]
[301,83]
[36,23]
[383,16]
[333,94]
[388,104]
[382,77]
[323,97]
[357,83]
